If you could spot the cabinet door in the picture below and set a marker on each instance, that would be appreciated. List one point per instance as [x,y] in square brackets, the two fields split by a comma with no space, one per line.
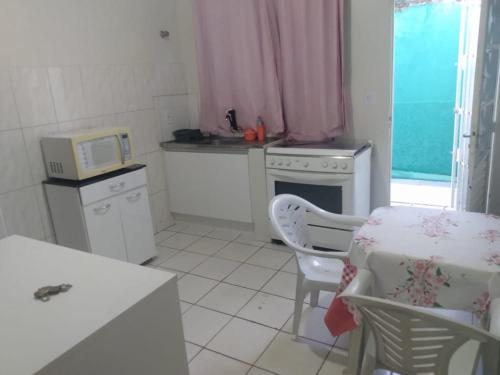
[137,225]
[105,230]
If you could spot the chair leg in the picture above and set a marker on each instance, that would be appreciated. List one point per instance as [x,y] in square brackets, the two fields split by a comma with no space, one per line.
[300,295]
[314,298]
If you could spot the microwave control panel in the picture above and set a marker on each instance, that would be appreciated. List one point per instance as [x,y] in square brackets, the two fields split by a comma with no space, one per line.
[125,145]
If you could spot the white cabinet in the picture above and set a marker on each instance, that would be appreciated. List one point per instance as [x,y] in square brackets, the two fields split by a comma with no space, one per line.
[104,229]
[106,216]
[213,185]
[137,225]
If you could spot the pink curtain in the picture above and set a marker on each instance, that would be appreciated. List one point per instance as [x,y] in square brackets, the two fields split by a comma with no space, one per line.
[237,64]
[310,67]
[278,59]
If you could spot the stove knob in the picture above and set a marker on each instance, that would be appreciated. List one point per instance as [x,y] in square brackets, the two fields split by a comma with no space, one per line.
[280,162]
[306,164]
[288,163]
[344,166]
[335,165]
[272,162]
[324,164]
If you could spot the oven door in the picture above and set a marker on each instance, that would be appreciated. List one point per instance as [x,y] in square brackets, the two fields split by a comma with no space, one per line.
[332,192]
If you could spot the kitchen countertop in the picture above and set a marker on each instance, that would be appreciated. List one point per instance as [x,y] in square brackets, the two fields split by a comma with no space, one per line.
[215,145]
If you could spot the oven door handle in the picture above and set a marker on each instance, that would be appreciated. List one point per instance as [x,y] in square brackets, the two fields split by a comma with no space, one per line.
[309,177]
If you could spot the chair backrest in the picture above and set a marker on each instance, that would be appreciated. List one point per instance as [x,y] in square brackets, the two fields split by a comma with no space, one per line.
[288,217]
[411,341]
[3,228]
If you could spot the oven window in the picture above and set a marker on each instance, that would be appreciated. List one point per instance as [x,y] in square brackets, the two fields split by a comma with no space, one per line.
[329,198]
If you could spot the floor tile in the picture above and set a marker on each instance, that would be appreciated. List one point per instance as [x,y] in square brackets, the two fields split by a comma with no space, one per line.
[258,371]
[249,276]
[201,325]
[180,241]
[342,341]
[224,234]
[179,274]
[269,258]
[210,363]
[269,310]
[207,246]
[291,266]
[227,298]
[282,284]
[312,325]
[197,229]
[184,261]
[242,340]
[192,288]
[177,227]
[279,247]
[293,357]
[185,306]
[163,235]
[237,251]
[163,254]
[335,364]
[192,350]
[216,268]
[249,239]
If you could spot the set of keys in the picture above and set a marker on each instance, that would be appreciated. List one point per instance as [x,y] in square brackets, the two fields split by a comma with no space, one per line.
[44,293]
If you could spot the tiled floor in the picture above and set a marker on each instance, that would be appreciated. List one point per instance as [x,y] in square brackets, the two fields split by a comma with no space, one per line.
[432,194]
[237,299]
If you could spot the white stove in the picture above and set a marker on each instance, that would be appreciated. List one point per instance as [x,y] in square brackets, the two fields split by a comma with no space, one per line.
[334,176]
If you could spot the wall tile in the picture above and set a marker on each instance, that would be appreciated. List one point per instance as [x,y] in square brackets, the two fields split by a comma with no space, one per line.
[174,114]
[67,89]
[14,165]
[133,121]
[32,138]
[103,122]
[150,127]
[33,96]
[145,83]
[75,125]
[48,229]
[123,89]
[155,172]
[97,91]
[21,213]
[170,79]
[9,118]
[159,209]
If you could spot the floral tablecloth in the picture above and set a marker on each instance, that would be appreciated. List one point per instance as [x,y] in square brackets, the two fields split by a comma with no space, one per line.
[430,258]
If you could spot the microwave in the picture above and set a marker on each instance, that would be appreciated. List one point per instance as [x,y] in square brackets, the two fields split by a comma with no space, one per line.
[86,154]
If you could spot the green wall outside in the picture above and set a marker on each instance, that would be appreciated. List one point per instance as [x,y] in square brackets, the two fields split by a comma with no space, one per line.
[425,71]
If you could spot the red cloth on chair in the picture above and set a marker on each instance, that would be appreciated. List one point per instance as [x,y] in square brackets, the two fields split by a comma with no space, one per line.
[338,318]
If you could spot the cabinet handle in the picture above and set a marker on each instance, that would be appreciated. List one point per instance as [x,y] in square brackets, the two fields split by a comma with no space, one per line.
[134,197]
[117,187]
[102,209]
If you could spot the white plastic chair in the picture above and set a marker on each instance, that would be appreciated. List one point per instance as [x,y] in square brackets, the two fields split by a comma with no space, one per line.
[411,341]
[317,270]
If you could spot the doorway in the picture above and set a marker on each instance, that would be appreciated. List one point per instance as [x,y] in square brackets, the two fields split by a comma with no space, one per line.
[435,44]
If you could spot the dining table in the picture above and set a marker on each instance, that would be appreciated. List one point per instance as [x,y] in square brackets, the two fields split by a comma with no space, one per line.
[436,258]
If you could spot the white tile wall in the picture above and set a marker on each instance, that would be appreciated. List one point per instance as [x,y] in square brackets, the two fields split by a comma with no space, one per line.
[39,101]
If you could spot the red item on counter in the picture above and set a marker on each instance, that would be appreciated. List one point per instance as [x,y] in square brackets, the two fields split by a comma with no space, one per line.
[261,130]
[250,134]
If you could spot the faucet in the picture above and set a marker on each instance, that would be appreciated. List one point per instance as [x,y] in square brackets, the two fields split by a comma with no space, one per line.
[231,119]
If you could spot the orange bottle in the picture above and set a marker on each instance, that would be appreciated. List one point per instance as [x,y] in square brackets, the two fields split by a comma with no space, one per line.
[261,130]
